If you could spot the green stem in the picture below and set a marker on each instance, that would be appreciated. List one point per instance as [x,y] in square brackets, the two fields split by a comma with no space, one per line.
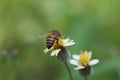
[86,78]
[68,69]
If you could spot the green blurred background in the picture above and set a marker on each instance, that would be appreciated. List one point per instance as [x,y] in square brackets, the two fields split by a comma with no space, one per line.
[93,24]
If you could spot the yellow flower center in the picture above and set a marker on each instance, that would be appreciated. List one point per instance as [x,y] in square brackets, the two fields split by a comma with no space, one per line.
[58,43]
[84,58]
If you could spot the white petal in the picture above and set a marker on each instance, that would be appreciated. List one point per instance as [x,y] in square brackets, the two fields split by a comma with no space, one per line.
[46,50]
[90,54]
[68,42]
[74,62]
[79,67]
[93,62]
[75,56]
[55,52]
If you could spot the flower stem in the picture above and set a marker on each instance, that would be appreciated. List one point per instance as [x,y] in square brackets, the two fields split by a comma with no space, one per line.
[86,78]
[68,69]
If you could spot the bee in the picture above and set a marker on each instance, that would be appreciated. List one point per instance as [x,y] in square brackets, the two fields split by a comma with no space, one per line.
[52,36]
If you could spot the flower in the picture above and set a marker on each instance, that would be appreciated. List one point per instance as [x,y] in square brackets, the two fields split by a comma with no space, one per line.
[83,60]
[58,45]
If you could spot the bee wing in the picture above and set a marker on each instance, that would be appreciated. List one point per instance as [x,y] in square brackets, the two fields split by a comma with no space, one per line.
[42,35]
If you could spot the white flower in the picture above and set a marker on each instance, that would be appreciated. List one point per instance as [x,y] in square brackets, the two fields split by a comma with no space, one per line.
[57,46]
[83,60]
[68,42]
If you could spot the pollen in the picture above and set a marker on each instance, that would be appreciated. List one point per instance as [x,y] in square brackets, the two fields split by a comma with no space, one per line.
[55,44]
[58,43]
[84,58]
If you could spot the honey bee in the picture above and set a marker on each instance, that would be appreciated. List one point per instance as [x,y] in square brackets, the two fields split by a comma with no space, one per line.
[52,36]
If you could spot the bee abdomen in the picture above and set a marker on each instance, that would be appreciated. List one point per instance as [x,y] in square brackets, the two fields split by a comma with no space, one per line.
[52,37]
[49,42]
[49,46]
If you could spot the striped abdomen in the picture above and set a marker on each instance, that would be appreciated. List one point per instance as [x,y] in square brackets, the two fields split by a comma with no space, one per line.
[52,37]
